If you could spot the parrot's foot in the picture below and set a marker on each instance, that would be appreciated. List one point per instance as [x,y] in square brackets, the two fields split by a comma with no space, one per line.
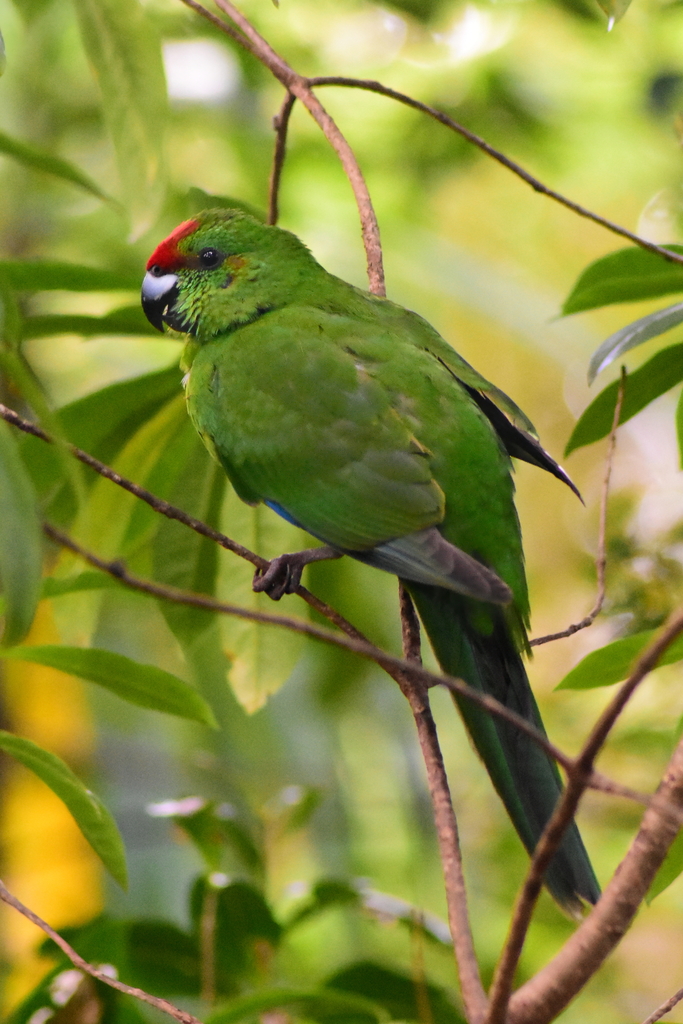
[283,575]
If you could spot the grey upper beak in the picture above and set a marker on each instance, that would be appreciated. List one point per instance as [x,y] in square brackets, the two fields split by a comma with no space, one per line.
[158,296]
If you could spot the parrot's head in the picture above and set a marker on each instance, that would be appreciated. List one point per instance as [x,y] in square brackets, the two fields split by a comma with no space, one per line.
[222,269]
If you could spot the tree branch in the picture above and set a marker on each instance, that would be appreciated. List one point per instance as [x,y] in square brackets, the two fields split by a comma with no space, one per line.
[137,993]
[560,820]
[252,41]
[280,124]
[662,1010]
[495,154]
[356,644]
[417,695]
[601,557]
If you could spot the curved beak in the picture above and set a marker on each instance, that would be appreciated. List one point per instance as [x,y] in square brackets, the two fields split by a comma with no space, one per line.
[158,297]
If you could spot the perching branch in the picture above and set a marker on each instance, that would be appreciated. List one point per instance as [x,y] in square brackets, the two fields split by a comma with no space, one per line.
[389,662]
[417,695]
[137,993]
[560,820]
[280,124]
[601,557]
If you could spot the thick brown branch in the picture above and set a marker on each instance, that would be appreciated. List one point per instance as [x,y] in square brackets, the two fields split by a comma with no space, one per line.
[542,998]
[549,842]
[495,154]
[601,557]
[137,993]
[356,644]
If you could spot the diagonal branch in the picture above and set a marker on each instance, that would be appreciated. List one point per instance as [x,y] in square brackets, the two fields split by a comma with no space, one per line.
[495,154]
[77,960]
[662,1010]
[357,644]
[562,817]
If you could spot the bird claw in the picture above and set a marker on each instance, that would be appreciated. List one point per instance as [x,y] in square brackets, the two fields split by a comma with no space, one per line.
[282,576]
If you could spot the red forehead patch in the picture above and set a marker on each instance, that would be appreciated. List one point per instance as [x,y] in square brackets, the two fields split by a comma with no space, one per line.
[166,254]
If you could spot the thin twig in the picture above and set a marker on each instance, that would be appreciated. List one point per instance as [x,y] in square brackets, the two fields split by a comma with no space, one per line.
[662,1010]
[137,993]
[252,41]
[280,124]
[417,695]
[358,645]
[562,816]
[495,154]
[601,558]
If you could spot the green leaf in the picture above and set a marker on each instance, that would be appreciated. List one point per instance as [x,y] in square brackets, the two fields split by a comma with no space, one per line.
[21,542]
[397,993]
[651,380]
[52,275]
[613,663]
[679,427]
[312,1004]
[625,276]
[632,335]
[262,658]
[38,160]
[163,958]
[124,51]
[213,829]
[670,870]
[244,921]
[127,320]
[90,814]
[144,685]
[72,584]
[181,557]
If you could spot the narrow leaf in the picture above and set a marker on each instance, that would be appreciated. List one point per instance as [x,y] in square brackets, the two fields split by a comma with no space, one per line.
[50,275]
[125,54]
[90,814]
[651,380]
[262,659]
[127,320]
[670,869]
[615,11]
[20,541]
[312,1004]
[634,334]
[144,685]
[38,160]
[625,276]
[613,663]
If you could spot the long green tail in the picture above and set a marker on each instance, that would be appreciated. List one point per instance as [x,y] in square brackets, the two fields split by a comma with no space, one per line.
[526,779]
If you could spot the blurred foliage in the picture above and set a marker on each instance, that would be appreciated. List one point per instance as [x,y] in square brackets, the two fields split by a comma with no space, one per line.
[305,857]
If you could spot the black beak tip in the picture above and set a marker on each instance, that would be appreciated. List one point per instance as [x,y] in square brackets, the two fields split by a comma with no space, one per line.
[154,310]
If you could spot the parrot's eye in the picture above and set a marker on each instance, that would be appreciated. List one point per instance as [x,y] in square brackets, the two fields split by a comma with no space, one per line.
[157,271]
[211,258]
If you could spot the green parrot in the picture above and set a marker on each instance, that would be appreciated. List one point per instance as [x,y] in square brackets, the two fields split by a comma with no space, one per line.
[351,417]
